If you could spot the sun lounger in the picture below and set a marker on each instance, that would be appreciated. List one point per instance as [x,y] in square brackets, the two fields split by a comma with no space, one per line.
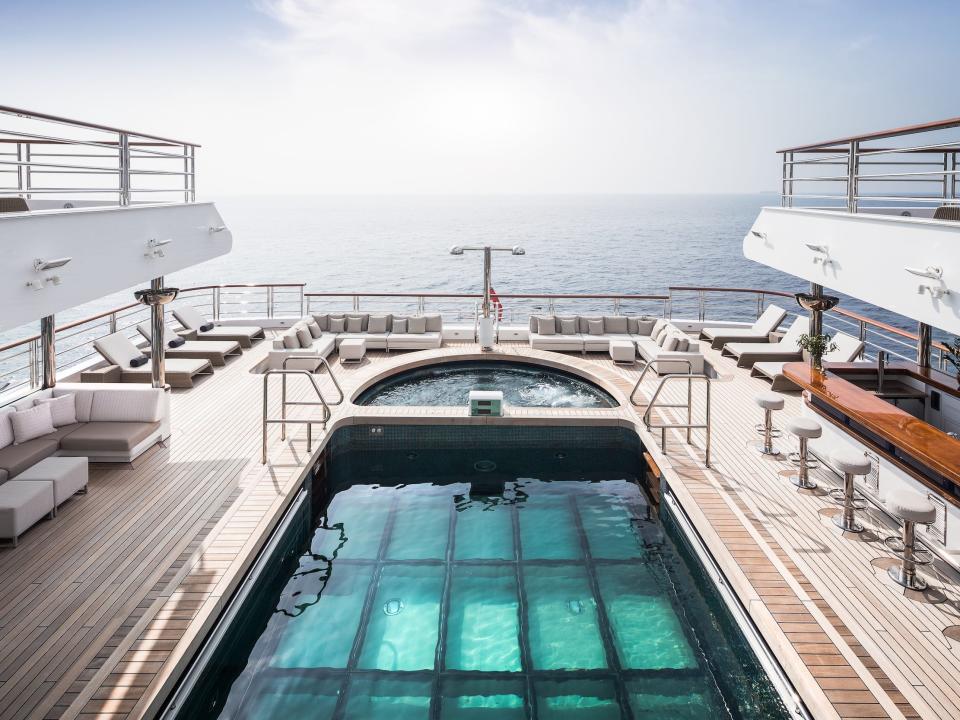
[216,351]
[118,350]
[786,350]
[848,350]
[759,332]
[193,320]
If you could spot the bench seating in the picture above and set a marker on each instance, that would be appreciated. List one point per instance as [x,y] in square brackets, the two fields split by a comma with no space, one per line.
[384,331]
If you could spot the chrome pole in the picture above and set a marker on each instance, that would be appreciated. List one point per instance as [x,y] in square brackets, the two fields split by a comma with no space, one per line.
[48,351]
[485,308]
[853,168]
[157,350]
[124,169]
[816,316]
[924,342]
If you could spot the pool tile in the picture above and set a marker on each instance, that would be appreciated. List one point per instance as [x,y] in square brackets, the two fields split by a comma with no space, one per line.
[371,698]
[576,700]
[483,625]
[483,699]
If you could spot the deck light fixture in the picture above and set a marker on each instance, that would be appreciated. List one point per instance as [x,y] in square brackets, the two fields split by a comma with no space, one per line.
[485,326]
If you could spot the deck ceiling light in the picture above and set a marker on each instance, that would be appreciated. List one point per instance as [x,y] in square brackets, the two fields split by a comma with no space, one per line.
[40,265]
[931,271]
[155,248]
[758,234]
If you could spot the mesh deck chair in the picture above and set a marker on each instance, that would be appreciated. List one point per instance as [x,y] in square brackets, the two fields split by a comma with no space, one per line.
[758,332]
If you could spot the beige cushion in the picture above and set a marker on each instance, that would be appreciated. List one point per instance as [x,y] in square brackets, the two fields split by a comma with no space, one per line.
[305,338]
[645,326]
[354,324]
[134,404]
[769,400]
[17,458]
[338,325]
[595,327]
[6,429]
[108,436]
[568,326]
[32,423]
[683,344]
[400,325]
[290,340]
[804,427]
[547,325]
[314,329]
[189,317]
[850,461]
[670,343]
[434,323]
[657,327]
[911,506]
[322,321]
[417,325]
[62,408]
[377,324]
[615,324]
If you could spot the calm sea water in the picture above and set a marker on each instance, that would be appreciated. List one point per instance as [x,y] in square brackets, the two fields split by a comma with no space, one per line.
[575,244]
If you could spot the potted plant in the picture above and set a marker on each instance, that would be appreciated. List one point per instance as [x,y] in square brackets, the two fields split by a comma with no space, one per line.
[816,346]
[952,356]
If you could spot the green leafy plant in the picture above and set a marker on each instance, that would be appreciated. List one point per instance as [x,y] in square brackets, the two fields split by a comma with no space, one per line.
[953,356]
[816,346]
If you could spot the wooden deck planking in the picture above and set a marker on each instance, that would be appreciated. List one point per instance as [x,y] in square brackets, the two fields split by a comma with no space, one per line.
[105,600]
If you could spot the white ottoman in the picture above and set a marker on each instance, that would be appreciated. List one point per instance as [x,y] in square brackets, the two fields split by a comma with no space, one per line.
[623,351]
[22,503]
[68,475]
[352,350]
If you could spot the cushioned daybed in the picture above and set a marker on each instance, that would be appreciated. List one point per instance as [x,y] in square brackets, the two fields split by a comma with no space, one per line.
[216,351]
[848,350]
[758,332]
[786,350]
[246,335]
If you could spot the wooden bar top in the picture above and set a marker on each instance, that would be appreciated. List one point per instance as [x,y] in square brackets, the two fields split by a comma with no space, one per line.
[911,436]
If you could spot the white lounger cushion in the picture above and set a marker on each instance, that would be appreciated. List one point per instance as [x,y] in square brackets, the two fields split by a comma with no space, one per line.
[189,317]
[119,350]
[787,344]
[192,320]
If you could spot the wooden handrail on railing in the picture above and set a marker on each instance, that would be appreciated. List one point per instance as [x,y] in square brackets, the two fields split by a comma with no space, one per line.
[878,135]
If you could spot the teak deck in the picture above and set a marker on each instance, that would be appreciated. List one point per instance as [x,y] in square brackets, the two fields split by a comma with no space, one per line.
[101,608]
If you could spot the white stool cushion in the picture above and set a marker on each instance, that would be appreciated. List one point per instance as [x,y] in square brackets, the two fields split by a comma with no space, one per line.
[804,427]
[911,506]
[769,401]
[850,461]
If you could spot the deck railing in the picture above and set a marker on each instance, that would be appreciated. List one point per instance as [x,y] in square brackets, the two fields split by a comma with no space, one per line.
[52,161]
[20,360]
[913,166]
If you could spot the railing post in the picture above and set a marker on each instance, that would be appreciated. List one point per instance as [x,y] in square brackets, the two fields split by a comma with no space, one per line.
[853,169]
[270,301]
[48,350]
[193,174]
[113,323]
[20,168]
[616,306]
[356,303]
[186,174]
[301,301]
[701,310]
[863,338]
[33,357]
[761,301]
[28,172]
[124,150]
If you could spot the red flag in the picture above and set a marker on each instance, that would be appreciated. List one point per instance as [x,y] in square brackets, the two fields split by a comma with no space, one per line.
[495,299]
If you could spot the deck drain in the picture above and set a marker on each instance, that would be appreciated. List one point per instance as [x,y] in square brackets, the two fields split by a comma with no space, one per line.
[484,466]
[393,606]
[575,607]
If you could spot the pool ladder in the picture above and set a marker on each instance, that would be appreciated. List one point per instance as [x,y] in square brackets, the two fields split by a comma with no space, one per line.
[283,420]
[689,425]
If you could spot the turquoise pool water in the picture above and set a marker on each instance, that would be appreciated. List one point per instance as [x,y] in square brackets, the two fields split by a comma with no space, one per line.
[418,587]
[522,384]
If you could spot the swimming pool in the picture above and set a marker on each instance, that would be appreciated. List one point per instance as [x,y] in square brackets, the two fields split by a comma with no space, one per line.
[458,573]
[523,385]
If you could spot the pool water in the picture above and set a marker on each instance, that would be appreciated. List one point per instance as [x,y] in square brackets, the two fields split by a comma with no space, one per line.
[522,384]
[416,587]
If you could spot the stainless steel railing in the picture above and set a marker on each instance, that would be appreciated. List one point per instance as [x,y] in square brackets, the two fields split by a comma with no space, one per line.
[875,171]
[52,161]
[283,420]
[689,425]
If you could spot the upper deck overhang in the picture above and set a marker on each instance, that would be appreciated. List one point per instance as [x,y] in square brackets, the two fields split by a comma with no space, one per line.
[109,249]
[873,257]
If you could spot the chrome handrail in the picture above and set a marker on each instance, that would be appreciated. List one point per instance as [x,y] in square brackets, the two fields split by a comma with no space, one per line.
[643,374]
[283,421]
[326,364]
[689,425]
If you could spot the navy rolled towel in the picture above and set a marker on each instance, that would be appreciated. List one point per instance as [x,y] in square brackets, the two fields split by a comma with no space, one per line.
[138,361]
[206,326]
[176,342]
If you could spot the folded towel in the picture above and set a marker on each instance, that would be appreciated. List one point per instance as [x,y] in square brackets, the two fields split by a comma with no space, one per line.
[206,327]
[138,361]
[176,343]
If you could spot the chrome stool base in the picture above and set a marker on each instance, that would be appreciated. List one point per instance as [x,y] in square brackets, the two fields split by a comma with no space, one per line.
[910,582]
[921,556]
[839,497]
[774,432]
[802,483]
[852,526]
[761,448]
[812,463]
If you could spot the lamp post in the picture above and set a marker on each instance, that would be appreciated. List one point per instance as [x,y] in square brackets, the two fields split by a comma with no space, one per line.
[486,318]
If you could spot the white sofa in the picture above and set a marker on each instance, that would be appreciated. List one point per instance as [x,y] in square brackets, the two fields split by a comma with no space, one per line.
[384,331]
[114,423]
[303,338]
[577,333]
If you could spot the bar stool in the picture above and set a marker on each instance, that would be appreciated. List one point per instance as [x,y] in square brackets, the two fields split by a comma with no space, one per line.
[851,464]
[769,401]
[913,509]
[804,429]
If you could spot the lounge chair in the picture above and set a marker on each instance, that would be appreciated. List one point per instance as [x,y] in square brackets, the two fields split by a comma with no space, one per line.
[786,350]
[848,350]
[759,332]
[193,320]
[216,351]
[118,350]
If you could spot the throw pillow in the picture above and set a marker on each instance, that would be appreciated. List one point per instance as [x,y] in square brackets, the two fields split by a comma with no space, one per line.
[399,325]
[303,335]
[645,326]
[314,329]
[32,423]
[683,344]
[595,327]
[139,361]
[615,324]
[377,324]
[322,321]
[63,409]
[290,340]
[670,343]
[338,325]
[354,325]
[568,326]
[417,325]
[547,326]
[657,327]
[6,429]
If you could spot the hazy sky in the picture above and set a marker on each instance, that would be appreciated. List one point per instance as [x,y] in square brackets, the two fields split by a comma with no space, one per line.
[484,96]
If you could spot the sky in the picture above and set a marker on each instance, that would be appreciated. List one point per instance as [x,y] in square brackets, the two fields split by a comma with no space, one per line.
[484,96]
